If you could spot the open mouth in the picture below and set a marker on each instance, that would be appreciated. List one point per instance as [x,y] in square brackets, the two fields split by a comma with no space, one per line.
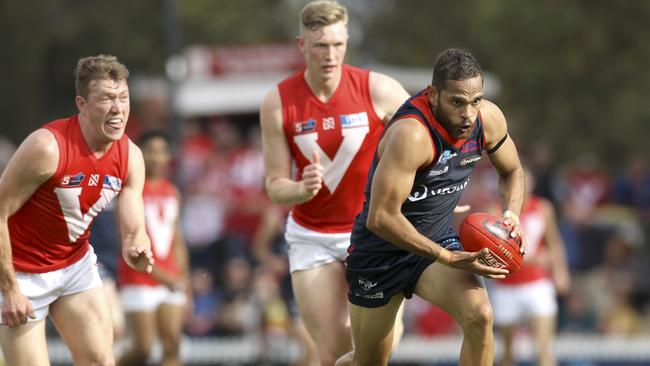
[115,123]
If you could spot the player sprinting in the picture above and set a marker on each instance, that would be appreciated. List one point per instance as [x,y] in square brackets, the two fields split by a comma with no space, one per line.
[403,242]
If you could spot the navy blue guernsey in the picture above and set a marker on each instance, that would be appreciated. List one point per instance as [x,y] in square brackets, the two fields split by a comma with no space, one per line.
[436,188]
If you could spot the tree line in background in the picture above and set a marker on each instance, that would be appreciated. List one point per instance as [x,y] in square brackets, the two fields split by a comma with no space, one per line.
[573,72]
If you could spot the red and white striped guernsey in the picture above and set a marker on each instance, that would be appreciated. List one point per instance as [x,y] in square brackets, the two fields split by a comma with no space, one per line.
[344,131]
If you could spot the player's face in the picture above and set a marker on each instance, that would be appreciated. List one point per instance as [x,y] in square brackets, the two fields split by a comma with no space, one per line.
[156,155]
[106,108]
[324,49]
[457,105]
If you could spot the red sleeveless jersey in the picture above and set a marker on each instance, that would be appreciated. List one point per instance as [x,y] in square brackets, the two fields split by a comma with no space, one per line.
[344,131]
[533,225]
[161,210]
[51,230]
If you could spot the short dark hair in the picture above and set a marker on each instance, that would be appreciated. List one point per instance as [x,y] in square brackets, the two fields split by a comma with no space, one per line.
[454,64]
[152,134]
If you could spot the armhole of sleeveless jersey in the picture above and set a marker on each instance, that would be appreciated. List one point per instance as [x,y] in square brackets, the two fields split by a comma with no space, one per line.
[284,111]
[63,153]
[484,139]
[368,95]
[127,153]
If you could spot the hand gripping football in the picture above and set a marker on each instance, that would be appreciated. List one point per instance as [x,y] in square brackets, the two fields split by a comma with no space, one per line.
[482,230]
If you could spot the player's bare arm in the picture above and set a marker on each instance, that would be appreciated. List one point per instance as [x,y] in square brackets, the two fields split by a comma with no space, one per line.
[34,163]
[136,247]
[557,253]
[391,186]
[181,254]
[503,156]
[277,159]
[387,95]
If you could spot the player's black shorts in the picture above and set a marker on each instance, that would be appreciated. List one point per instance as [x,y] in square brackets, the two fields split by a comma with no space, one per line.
[374,277]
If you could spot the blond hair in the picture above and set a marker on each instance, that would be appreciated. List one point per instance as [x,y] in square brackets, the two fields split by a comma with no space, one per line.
[320,13]
[98,67]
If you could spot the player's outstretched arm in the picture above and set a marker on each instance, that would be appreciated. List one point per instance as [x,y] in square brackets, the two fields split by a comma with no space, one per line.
[277,159]
[503,156]
[136,247]
[34,163]
[557,254]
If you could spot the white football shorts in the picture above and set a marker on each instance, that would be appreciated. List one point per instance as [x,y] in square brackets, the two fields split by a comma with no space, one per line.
[42,289]
[310,249]
[514,304]
[149,298]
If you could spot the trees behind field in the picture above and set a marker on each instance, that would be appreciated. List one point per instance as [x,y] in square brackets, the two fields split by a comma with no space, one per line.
[573,73]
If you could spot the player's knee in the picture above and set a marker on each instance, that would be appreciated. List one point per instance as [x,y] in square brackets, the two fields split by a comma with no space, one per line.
[171,350]
[479,318]
[374,359]
[136,356]
[327,359]
[102,360]
[346,360]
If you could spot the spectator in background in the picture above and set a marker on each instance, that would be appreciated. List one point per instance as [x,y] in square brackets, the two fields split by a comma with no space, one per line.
[156,304]
[584,187]
[632,186]
[529,295]
[212,197]
[541,157]
[238,314]
[612,286]
[203,319]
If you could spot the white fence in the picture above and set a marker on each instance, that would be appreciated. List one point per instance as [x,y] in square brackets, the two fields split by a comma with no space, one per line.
[412,350]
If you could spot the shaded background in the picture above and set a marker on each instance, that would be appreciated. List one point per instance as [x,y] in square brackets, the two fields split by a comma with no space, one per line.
[570,76]
[573,72]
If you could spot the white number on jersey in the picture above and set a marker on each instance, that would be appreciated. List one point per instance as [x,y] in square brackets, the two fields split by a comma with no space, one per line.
[76,221]
[334,169]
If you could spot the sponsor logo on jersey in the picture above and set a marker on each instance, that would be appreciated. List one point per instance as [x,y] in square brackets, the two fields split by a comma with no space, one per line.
[94,180]
[72,180]
[329,123]
[445,156]
[308,126]
[354,120]
[435,173]
[470,160]
[113,183]
[423,191]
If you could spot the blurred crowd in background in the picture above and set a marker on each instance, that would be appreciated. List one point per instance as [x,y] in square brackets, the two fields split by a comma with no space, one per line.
[584,70]
[239,270]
